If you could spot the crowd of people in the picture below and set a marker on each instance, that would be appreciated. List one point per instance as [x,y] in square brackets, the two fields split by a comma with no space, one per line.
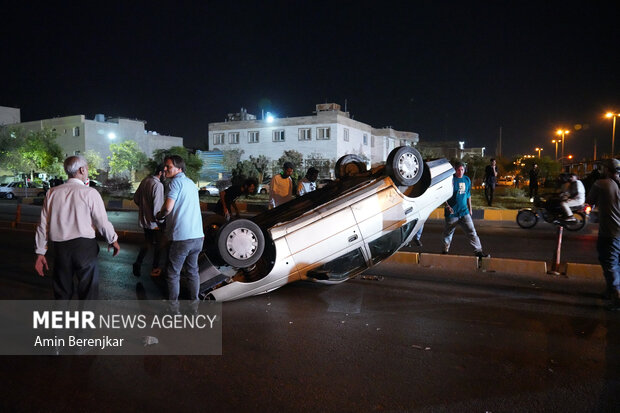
[72,211]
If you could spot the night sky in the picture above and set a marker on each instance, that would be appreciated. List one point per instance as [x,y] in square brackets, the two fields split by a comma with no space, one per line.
[446,70]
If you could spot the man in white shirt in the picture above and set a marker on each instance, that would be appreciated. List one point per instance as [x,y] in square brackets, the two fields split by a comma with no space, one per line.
[69,216]
[573,194]
[281,186]
[308,183]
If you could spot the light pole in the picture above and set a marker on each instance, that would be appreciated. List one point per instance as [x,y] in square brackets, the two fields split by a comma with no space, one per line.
[613,129]
[556,141]
[538,149]
[563,133]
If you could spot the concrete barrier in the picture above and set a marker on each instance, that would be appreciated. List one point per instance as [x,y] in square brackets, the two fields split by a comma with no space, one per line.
[591,271]
[449,262]
[500,214]
[404,257]
[514,266]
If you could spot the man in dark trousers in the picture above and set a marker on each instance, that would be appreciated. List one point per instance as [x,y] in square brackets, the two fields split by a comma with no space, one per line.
[490,180]
[69,216]
[230,195]
[605,194]
[150,197]
[534,182]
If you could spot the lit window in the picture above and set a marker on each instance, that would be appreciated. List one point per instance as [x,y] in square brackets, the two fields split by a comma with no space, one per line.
[346,135]
[278,135]
[253,136]
[218,138]
[322,133]
[304,134]
[233,137]
[365,139]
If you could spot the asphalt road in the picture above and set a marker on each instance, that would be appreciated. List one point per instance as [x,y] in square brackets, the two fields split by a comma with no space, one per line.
[415,340]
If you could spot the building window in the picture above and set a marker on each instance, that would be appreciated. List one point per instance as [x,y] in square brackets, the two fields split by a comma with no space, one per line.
[278,135]
[346,135]
[233,137]
[322,133]
[218,138]
[76,131]
[372,141]
[365,139]
[304,134]
[253,136]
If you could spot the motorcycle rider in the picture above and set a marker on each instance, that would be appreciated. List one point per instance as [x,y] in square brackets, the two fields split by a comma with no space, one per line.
[573,194]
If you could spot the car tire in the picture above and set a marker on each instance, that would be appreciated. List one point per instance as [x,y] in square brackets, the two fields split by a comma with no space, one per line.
[241,243]
[349,165]
[9,195]
[405,165]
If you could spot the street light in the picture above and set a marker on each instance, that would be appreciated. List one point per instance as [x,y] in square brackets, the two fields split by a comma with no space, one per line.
[563,133]
[556,141]
[538,149]
[613,129]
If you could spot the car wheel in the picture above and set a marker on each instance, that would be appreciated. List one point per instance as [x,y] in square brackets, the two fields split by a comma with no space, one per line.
[526,219]
[578,224]
[349,165]
[9,195]
[405,165]
[241,243]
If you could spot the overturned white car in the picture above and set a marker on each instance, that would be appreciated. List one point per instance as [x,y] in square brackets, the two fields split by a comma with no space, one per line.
[328,235]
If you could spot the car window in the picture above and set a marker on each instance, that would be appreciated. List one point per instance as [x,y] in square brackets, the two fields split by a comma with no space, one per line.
[342,267]
[386,245]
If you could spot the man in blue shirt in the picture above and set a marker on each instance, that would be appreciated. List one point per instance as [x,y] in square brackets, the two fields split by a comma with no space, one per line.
[458,211]
[184,228]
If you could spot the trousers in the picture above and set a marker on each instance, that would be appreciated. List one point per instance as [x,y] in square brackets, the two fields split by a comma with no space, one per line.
[76,258]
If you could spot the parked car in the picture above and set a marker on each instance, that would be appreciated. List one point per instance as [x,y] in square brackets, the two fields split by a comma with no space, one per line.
[507,180]
[209,189]
[21,189]
[264,187]
[328,235]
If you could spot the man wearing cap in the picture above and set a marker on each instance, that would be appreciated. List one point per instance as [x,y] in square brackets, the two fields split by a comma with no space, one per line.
[605,194]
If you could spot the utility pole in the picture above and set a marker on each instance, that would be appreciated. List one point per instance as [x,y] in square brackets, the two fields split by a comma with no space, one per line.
[499,146]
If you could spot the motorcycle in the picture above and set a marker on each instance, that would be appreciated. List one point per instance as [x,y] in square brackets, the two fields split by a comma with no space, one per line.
[552,212]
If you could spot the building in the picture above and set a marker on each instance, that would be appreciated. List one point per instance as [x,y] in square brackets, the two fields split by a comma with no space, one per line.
[321,138]
[76,134]
[9,116]
[449,150]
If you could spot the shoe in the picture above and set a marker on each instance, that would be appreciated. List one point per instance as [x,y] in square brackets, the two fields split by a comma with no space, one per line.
[481,254]
[155,272]
[416,242]
[136,269]
[569,219]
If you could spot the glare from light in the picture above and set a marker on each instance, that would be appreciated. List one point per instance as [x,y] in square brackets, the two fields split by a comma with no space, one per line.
[111,135]
[270,118]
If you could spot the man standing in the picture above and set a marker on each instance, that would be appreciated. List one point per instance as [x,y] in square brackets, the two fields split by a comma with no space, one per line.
[184,228]
[458,211]
[308,183]
[605,194]
[281,186]
[229,196]
[534,182]
[69,216]
[150,197]
[490,179]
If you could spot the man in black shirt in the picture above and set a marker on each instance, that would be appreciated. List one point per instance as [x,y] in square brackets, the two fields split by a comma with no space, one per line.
[534,182]
[490,179]
[230,195]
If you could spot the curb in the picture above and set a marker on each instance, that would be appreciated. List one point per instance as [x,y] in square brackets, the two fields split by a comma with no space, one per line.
[514,266]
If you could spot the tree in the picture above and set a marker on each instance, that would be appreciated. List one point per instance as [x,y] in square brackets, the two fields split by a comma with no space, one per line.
[126,157]
[32,151]
[192,162]
[231,158]
[94,163]
[261,164]
[294,157]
